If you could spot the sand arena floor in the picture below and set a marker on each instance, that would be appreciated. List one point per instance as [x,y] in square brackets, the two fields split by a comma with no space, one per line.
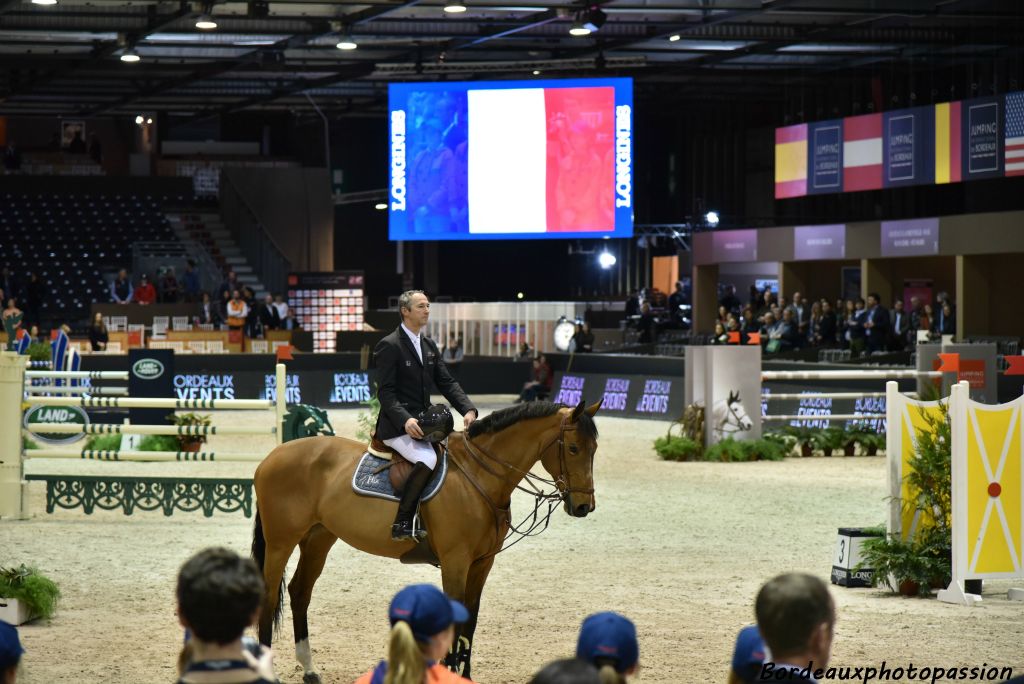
[681,548]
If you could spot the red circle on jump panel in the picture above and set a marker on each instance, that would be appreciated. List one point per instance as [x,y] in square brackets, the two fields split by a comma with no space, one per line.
[994,489]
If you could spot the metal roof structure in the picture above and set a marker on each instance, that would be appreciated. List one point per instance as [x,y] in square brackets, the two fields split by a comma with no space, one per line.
[65,58]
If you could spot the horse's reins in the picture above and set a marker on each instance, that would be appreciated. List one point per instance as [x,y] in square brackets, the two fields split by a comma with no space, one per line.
[552,499]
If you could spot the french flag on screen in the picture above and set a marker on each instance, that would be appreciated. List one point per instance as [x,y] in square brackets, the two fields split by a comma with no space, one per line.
[541,160]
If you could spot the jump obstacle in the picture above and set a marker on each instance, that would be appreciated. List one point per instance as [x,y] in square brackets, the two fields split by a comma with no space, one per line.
[110,492]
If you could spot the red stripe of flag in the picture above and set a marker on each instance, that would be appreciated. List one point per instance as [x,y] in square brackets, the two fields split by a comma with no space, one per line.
[862,127]
[955,164]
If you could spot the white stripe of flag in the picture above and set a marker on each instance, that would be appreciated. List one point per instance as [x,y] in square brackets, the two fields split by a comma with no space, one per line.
[862,152]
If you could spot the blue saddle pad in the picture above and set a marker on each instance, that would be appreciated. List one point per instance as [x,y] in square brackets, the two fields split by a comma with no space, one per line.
[368,482]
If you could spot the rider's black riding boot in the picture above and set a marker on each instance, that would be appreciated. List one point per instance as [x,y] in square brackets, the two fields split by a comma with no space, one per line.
[402,529]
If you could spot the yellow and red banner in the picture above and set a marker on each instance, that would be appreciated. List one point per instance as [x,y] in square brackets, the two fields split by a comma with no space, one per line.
[791,161]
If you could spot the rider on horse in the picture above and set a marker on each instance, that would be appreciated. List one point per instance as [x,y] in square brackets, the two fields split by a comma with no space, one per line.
[407,362]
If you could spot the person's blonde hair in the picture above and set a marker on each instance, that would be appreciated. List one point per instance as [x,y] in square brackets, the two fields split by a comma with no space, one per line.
[608,675]
[406,664]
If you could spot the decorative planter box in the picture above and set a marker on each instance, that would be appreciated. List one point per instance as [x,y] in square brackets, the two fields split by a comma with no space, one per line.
[13,611]
[846,557]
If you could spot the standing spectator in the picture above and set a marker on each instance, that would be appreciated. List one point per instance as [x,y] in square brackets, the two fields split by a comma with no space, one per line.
[608,642]
[290,322]
[749,324]
[77,145]
[190,282]
[928,318]
[229,285]
[876,324]
[168,286]
[34,296]
[729,299]
[916,313]
[252,320]
[900,326]
[237,311]
[814,325]
[209,312]
[95,148]
[646,325]
[11,311]
[584,339]
[12,158]
[754,297]
[801,315]
[219,595]
[855,328]
[633,305]
[145,293]
[10,653]
[269,318]
[796,617]
[121,290]
[784,335]
[98,337]
[825,335]
[946,322]
[525,352]
[222,305]
[281,306]
[676,300]
[767,301]
[453,354]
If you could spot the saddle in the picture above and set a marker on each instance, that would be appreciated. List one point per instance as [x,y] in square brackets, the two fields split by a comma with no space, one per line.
[398,468]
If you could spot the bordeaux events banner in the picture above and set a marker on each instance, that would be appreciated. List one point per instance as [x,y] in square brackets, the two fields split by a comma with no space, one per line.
[511,159]
[637,396]
[948,142]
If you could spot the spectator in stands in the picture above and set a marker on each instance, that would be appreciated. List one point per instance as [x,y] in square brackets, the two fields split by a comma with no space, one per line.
[219,595]
[608,642]
[675,302]
[290,322]
[900,325]
[916,313]
[34,335]
[525,352]
[32,298]
[814,324]
[190,282]
[269,318]
[633,305]
[785,332]
[121,290]
[8,283]
[729,299]
[723,314]
[767,324]
[209,313]
[754,297]
[12,311]
[145,293]
[77,145]
[825,332]
[796,617]
[946,322]
[453,354]
[720,336]
[782,306]
[229,285]
[801,315]
[767,302]
[540,383]
[222,305]
[647,325]
[281,306]
[10,653]
[927,318]
[252,320]
[748,656]
[856,335]
[12,158]
[567,671]
[748,322]
[98,336]
[95,148]
[876,324]
[584,339]
[169,290]
[237,311]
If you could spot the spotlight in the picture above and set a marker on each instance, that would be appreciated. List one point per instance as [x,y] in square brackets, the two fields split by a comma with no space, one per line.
[139,119]
[149,121]
[205,22]
[380,206]
[519,295]
[347,42]
[711,218]
[44,2]
[606,259]
[673,38]
[130,55]
[536,72]
[455,7]
[578,29]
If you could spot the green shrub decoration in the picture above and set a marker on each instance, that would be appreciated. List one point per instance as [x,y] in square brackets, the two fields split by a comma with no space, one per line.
[40,351]
[27,585]
[727,450]
[677,448]
[104,442]
[27,443]
[184,442]
[159,443]
[366,421]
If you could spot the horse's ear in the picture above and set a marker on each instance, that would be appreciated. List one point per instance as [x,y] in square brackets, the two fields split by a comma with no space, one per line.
[592,409]
[576,412]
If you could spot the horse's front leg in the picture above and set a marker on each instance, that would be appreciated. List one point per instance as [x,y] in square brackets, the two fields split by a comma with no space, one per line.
[459,658]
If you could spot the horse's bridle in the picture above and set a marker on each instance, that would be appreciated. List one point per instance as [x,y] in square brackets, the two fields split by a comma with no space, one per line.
[725,422]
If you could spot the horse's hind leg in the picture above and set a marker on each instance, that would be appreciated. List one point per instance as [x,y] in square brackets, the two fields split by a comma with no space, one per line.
[313,550]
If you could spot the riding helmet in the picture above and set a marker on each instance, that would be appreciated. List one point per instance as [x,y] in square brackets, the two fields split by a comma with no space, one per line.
[436,422]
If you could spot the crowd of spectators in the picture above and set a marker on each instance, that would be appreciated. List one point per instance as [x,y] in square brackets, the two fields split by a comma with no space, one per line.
[862,326]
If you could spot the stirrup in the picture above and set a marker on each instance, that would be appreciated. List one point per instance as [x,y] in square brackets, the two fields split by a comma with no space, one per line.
[408,531]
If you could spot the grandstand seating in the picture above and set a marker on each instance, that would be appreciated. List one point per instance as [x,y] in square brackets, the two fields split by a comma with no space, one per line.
[72,240]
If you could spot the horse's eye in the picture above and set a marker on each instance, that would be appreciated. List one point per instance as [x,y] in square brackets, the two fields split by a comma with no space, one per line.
[573,449]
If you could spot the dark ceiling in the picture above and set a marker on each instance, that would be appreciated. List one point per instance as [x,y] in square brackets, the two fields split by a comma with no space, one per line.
[281,55]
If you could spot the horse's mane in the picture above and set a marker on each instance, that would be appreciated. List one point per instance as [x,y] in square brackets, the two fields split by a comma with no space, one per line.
[503,418]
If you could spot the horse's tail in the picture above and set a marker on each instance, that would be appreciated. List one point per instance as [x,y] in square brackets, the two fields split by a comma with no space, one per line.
[259,554]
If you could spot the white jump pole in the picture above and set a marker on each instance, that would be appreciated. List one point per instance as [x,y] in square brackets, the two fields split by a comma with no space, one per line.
[822,395]
[840,416]
[119,429]
[139,402]
[97,391]
[148,456]
[77,375]
[281,400]
[12,381]
[867,374]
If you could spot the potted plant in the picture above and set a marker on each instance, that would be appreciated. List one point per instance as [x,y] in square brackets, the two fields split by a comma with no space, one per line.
[191,442]
[805,437]
[828,440]
[764,450]
[727,450]
[783,440]
[677,448]
[26,594]
[870,442]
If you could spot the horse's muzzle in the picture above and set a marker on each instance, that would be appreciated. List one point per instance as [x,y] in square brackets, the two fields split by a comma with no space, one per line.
[578,511]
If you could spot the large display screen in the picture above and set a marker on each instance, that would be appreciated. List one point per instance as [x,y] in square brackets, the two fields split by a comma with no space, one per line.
[511,159]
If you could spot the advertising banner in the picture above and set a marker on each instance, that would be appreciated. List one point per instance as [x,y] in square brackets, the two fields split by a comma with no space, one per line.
[633,396]
[819,242]
[909,147]
[825,149]
[918,237]
[734,245]
[982,134]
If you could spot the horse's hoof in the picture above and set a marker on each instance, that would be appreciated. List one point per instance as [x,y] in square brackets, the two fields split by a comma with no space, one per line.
[311,678]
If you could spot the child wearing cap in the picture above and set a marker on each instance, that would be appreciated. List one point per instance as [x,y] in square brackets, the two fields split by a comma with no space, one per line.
[422,632]
[608,641]
[10,653]
[748,656]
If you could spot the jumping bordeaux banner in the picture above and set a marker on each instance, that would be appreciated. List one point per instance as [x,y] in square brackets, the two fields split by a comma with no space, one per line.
[948,142]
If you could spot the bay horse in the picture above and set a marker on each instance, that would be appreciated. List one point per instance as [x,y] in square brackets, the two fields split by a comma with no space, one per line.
[304,498]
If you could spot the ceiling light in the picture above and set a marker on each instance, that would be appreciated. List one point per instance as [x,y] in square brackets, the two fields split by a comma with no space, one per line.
[205,22]
[578,29]
[44,2]
[455,7]
[711,218]
[606,259]
[380,206]
[149,121]
[347,42]
[673,38]
[130,55]
[139,119]
[536,72]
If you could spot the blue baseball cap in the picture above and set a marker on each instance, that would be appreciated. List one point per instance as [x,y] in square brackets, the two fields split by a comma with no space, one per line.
[426,609]
[749,654]
[10,647]
[608,635]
